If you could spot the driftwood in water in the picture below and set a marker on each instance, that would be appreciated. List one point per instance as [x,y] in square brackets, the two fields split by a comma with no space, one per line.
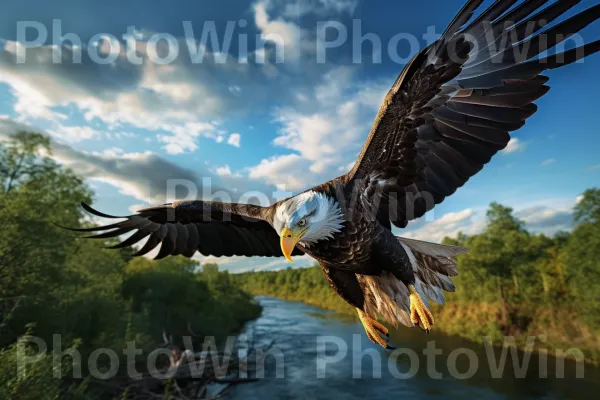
[186,378]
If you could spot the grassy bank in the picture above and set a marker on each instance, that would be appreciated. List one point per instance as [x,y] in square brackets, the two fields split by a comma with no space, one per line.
[556,327]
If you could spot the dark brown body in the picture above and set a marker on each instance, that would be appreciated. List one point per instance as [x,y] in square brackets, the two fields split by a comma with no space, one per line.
[364,246]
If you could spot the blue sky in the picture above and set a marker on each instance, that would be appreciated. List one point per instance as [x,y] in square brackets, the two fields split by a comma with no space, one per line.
[276,128]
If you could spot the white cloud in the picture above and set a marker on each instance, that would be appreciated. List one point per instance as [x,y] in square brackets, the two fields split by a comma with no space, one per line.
[125,187]
[546,216]
[174,148]
[286,34]
[306,134]
[325,134]
[285,171]
[30,100]
[165,97]
[338,123]
[299,8]
[178,101]
[547,162]
[74,134]
[234,139]
[117,152]
[225,171]
[145,176]
[513,146]
[446,226]
[184,137]
[110,152]
[278,22]
[136,207]
[545,219]
[346,168]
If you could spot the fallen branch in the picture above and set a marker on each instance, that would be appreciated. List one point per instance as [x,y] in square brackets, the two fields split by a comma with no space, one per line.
[182,382]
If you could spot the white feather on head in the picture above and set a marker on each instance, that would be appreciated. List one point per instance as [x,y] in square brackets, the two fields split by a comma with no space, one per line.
[322,213]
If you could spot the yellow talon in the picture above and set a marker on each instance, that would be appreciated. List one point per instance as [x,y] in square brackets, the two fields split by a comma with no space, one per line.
[419,313]
[380,328]
[374,330]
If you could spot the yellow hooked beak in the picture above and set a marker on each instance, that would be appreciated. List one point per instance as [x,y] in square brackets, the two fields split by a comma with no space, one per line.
[289,239]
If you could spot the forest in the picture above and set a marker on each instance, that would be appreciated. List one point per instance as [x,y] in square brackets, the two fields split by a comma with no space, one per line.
[512,282]
[53,283]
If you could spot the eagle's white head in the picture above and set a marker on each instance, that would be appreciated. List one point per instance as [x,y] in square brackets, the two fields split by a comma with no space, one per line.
[307,218]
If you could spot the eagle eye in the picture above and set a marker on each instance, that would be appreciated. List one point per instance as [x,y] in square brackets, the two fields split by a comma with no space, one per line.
[302,222]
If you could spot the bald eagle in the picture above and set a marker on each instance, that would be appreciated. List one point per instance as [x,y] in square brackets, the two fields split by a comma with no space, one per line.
[449,111]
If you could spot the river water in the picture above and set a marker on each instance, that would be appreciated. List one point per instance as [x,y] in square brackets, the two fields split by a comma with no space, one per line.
[317,355]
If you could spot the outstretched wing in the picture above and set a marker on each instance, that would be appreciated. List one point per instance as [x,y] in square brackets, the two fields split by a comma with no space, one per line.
[453,106]
[184,227]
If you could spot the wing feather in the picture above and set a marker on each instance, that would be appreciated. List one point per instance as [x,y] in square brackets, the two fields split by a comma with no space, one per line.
[455,103]
[184,227]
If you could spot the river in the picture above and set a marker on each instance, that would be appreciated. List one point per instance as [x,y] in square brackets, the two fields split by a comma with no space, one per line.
[317,355]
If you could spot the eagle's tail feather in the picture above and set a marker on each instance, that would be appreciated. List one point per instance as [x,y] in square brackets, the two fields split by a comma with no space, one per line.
[433,265]
[387,296]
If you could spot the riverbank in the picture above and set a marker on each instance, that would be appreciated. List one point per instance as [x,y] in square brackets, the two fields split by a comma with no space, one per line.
[350,367]
[554,330]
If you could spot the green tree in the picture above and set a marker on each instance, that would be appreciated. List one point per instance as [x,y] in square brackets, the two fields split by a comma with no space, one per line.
[53,282]
[583,257]
[588,207]
[38,195]
[496,254]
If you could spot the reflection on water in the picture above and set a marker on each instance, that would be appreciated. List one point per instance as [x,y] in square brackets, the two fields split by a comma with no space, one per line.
[296,328]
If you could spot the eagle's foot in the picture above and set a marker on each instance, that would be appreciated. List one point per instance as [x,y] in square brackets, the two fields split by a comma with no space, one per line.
[419,313]
[375,330]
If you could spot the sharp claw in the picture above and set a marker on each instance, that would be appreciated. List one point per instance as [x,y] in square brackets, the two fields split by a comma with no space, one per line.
[419,313]
[374,330]
[371,338]
[388,347]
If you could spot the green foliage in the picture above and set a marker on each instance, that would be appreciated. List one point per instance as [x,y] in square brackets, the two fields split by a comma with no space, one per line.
[170,296]
[38,195]
[51,282]
[33,382]
[231,304]
[583,257]
[588,208]
[503,262]
[307,284]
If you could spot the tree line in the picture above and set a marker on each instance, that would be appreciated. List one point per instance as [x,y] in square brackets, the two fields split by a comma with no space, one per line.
[51,282]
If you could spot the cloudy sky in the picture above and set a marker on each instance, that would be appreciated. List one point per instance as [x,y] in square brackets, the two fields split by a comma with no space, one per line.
[226,118]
